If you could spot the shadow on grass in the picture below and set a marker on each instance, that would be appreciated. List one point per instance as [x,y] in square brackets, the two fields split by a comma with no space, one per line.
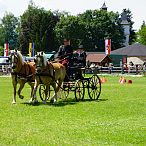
[58,103]
[63,102]
[99,100]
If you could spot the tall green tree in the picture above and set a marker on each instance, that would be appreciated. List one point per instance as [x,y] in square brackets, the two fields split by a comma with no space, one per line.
[9,30]
[91,28]
[70,27]
[142,34]
[37,25]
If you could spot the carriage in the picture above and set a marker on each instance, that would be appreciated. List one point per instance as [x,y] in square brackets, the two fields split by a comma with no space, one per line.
[25,72]
[80,85]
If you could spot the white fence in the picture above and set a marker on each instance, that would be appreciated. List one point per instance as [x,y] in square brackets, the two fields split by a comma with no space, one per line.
[6,68]
[110,70]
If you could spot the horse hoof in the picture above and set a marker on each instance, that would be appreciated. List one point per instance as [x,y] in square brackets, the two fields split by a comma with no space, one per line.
[14,102]
[35,101]
[53,101]
[21,96]
[30,101]
[44,102]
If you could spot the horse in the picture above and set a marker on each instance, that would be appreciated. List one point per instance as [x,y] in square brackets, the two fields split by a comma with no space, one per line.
[48,73]
[21,73]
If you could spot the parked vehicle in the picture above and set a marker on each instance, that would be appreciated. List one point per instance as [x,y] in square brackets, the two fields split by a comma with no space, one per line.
[28,59]
[4,64]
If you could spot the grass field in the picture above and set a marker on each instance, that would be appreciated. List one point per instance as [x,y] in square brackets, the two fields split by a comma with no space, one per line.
[118,118]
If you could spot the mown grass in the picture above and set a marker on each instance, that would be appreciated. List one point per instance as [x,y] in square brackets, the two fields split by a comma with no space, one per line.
[117,118]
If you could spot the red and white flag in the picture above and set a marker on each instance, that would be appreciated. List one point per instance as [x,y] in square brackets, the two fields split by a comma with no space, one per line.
[107,46]
[6,49]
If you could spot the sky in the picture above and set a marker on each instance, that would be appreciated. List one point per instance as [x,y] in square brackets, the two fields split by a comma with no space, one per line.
[137,7]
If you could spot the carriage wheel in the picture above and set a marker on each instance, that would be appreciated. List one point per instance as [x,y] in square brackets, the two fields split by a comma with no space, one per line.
[94,87]
[79,90]
[42,92]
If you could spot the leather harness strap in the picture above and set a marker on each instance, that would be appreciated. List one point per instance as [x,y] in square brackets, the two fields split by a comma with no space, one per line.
[24,75]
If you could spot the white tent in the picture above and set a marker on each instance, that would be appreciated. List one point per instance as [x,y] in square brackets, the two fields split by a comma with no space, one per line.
[135,60]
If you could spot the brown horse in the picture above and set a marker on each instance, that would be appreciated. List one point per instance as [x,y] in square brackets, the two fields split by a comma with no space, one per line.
[22,72]
[48,73]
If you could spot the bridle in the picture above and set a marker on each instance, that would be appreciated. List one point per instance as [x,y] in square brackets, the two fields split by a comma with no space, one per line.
[39,63]
[13,60]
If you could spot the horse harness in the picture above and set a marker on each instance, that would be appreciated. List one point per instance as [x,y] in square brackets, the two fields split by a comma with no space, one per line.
[46,72]
[26,76]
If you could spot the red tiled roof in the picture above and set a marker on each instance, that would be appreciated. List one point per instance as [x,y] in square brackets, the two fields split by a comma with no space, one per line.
[96,57]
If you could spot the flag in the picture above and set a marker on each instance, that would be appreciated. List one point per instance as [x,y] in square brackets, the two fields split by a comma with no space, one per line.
[107,46]
[32,52]
[30,49]
[6,49]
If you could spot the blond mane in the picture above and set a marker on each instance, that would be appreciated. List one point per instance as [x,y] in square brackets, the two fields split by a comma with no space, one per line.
[44,57]
[19,55]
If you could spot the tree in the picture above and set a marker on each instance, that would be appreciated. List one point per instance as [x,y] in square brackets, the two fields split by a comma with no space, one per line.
[8,30]
[101,24]
[70,27]
[37,25]
[91,28]
[142,34]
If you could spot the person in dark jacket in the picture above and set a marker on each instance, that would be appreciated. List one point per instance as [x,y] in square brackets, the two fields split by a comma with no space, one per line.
[82,56]
[65,53]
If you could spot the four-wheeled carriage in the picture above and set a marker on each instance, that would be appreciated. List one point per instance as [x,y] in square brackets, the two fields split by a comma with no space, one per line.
[78,84]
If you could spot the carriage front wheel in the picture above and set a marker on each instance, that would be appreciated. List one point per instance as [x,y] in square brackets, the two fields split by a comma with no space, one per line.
[79,90]
[42,94]
[94,87]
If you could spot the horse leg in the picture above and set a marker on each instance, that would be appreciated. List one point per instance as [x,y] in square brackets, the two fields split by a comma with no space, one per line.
[46,93]
[32,89]
[20,89]
[56,89]
[54,97]
[34,93]
[59,85]
[60,81]
[14,92]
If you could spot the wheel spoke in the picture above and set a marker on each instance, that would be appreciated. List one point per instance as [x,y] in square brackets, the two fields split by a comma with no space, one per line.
[94,87]
[79,90]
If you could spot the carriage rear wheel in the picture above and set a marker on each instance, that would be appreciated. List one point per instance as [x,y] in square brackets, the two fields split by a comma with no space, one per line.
[79,90]
[94,87]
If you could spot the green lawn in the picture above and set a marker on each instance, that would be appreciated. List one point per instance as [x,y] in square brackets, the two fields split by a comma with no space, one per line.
[118,118]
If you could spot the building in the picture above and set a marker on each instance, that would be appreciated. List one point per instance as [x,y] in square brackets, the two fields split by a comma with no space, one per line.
[98,59]
[126,26]
[135,53]
[104,7]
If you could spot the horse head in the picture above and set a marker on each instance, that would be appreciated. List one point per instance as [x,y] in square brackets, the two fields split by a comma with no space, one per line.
[16,59]
[40,62]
